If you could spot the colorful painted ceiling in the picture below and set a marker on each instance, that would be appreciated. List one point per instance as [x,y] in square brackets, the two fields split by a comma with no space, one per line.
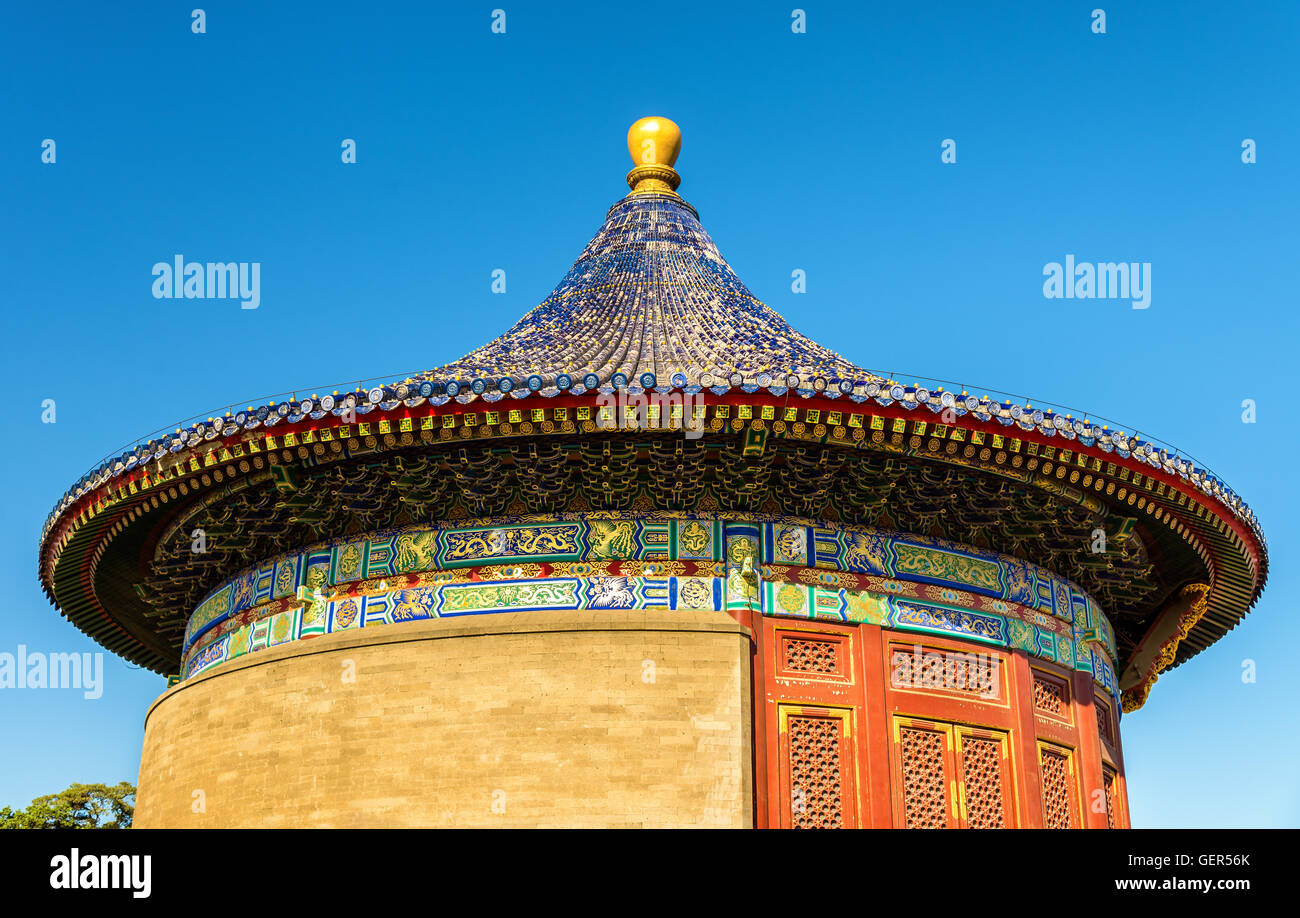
[523,425]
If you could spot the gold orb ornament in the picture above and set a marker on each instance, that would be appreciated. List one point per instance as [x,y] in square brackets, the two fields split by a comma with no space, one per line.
[654,143]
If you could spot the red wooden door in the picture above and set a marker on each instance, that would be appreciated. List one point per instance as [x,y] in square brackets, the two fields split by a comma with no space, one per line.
[814,718]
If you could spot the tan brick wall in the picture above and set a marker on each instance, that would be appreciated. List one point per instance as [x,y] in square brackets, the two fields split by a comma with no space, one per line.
[552,717]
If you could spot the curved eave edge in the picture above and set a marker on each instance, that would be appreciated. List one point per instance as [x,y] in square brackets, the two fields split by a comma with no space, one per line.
[71,591]
[857,391]
[112,499]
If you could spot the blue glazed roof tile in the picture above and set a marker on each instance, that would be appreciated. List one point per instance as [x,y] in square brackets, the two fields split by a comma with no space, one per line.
[651,294]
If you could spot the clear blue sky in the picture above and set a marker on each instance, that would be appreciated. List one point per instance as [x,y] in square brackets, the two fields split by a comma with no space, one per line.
[818,151]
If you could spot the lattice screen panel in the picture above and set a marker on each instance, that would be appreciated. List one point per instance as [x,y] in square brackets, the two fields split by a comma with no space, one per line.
[1058,787]
[984,784]
[926,804]
[1050,696]
[1108,781]
[817,771]
[804,655]
[967,674]
[1104,721]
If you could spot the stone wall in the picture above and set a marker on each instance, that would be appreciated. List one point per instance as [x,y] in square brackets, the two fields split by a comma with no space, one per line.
[588,718]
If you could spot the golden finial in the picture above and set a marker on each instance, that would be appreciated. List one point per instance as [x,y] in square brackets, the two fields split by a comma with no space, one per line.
[654,143]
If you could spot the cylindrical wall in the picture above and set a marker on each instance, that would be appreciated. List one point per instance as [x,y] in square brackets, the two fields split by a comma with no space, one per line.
[588,718]
[896,680]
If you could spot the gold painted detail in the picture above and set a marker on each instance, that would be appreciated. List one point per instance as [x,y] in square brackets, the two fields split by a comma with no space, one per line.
[614,539]
[695,538]
[1135,697]
[415,551]
[547,593]
[694,593]
[512,542]
[940,565]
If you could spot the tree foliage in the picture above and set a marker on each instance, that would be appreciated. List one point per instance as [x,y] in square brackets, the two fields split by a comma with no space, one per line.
[81,806]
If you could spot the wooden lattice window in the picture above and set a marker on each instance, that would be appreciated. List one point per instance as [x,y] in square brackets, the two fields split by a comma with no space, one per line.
[1108,781]
[808,655]
[922,757]
[1104,721]
[1056,772]
[1051,696]
[935,760]
[985,787]
[931,669]
[817,770]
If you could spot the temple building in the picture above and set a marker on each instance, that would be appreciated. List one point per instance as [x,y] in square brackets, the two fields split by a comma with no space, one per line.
[650,558]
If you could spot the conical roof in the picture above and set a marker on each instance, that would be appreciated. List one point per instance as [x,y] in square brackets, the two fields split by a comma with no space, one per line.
[651,293]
